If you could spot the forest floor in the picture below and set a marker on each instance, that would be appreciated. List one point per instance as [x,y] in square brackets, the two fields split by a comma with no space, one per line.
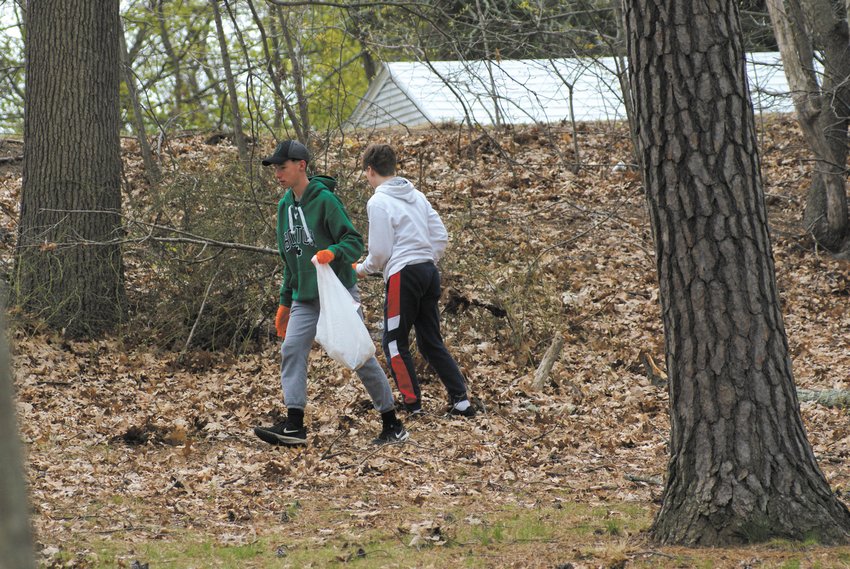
[134,458]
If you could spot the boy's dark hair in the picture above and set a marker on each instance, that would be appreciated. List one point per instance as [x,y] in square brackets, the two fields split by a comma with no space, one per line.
[382,159]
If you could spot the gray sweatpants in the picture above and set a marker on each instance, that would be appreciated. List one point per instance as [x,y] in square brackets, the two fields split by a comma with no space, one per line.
[295,349]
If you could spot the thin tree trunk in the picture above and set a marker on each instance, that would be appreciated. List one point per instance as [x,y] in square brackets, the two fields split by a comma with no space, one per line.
[238,135]
[302,124]
[72,168]
[15,536]
[741,468]
[488,63]
[362,20]
[274,67]
[151,167]
[822,110]
[172,57]
[623,75]
[370,66]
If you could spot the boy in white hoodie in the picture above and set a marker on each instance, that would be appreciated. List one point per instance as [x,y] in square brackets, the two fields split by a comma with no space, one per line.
[406,238]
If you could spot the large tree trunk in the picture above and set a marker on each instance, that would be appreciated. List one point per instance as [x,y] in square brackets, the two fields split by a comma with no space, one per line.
[71,198]
[821,101]
[15,535]
[741,468]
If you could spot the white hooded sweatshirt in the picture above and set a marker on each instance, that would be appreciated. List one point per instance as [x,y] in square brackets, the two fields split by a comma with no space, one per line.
[403,229]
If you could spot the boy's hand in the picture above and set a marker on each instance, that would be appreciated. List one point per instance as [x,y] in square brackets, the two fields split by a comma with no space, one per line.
[325,256]
[281,320]
[358,269]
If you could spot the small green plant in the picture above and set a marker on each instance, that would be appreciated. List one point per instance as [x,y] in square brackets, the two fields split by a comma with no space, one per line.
[488,535]
[811,539]
[290,512]
[532,529]
[613,527]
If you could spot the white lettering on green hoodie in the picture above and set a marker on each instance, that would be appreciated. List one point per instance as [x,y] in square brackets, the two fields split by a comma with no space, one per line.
[317,221]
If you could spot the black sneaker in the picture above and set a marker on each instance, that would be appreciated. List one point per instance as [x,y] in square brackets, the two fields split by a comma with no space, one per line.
[413,408]
[395,434]
[468,412]
[282,434]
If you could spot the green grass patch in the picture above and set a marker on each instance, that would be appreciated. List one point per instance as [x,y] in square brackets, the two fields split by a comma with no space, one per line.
[313,536]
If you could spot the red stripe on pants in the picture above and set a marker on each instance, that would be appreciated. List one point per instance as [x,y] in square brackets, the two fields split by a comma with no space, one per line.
[402,379]
[402,375]
[394,296]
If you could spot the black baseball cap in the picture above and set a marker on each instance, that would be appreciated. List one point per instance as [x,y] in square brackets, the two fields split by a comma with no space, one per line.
[288,150]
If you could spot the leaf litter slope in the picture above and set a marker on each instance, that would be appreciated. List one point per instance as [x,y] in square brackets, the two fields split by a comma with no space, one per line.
[120,439]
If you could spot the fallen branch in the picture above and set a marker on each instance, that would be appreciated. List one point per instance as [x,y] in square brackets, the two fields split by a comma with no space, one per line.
[656,375]
[205,242]
[645,479]
[828,398]
[186,237]
[549,359]
[10,159]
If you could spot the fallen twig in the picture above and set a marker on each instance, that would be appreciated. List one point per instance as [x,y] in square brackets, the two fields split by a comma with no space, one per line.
[549,359]
[827,398]
[645,479]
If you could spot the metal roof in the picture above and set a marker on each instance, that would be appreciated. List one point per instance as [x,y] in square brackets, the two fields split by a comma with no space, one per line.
[523,91]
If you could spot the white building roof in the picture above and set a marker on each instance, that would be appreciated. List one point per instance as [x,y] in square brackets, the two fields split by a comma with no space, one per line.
[523,91]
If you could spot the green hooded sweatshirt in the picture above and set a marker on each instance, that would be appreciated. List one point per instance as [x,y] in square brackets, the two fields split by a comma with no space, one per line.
[317,221]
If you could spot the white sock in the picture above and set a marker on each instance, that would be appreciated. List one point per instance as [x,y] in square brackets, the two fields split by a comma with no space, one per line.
[462,405]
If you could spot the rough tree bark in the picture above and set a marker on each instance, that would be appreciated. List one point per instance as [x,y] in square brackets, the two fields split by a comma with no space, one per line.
[822,101]
[72,168]
[741,468]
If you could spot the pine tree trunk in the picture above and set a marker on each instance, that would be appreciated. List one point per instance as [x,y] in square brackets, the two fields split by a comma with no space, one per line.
[741,468]
[71,197]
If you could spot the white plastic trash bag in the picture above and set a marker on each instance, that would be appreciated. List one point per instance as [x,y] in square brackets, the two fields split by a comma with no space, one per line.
[340,331]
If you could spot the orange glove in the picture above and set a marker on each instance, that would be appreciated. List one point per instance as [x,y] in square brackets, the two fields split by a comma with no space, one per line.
[325,256]
[281,321]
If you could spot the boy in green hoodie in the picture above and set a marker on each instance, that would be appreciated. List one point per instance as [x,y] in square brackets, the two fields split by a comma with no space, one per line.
[311,220]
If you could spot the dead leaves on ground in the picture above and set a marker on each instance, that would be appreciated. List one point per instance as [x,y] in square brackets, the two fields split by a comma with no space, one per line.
[120,439]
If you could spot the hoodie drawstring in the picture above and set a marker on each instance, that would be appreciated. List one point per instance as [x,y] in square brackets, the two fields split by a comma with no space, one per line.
[307,235]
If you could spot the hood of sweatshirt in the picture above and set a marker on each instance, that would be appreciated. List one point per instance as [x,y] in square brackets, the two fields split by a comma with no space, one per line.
[316,184]
[327,181]
[399,188]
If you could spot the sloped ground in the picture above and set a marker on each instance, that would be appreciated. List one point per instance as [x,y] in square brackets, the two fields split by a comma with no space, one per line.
[123,442]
